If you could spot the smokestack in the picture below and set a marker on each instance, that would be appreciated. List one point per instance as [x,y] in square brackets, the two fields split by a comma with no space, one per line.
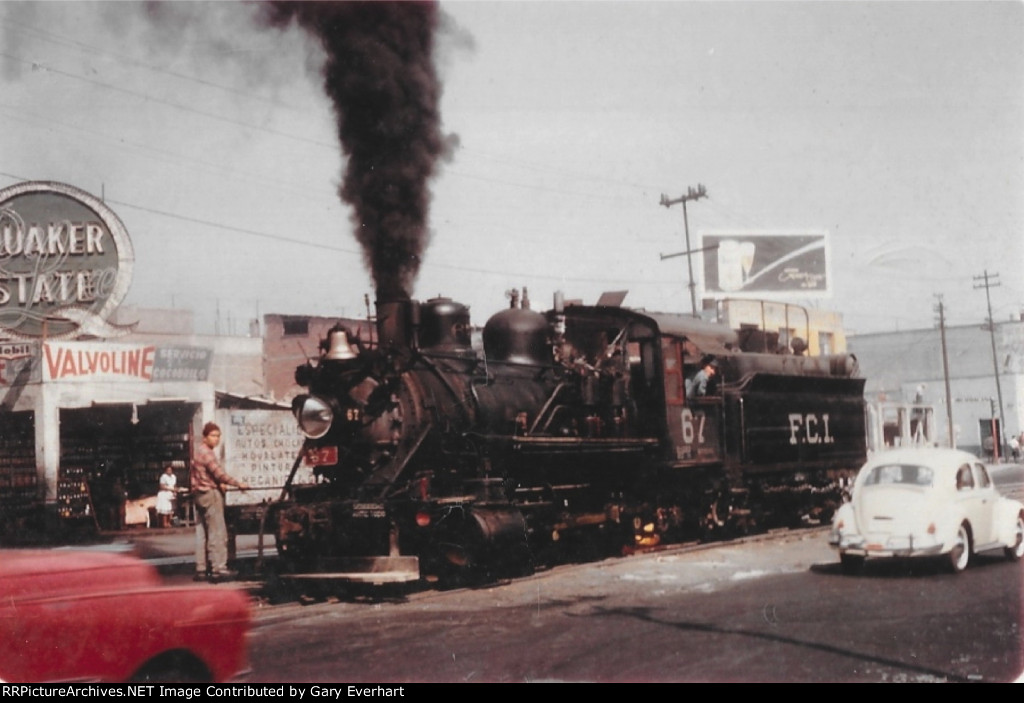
[380,75]
[398,325]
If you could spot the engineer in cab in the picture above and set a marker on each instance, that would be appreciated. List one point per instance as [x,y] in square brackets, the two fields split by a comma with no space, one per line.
[703,382]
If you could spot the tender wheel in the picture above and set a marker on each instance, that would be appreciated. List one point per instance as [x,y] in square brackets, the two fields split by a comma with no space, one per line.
[852,563]
[1016,552]
[960,555]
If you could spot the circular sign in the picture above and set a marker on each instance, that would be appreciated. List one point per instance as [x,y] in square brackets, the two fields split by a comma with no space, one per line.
[65,261]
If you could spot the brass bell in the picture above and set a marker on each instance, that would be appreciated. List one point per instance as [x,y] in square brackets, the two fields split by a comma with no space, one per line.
[339,349]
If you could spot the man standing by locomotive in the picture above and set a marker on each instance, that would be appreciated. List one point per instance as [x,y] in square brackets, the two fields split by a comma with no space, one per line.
[206,480]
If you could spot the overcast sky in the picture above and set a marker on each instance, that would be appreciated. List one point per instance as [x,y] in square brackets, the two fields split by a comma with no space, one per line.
[898,127]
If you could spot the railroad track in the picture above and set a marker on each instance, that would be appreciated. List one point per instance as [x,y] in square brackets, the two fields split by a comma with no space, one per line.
[274,594]
[274,597]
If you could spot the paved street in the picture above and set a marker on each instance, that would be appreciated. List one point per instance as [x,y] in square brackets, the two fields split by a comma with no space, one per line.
[764,610]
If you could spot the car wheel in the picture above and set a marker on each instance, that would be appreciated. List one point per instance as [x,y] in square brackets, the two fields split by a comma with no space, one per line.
[173,667]
[960,554]
[1017,550]
[852,563]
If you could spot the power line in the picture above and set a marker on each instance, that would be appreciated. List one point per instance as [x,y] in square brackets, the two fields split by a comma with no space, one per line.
[165,155]
[125,60]
[168,103]
[345,250]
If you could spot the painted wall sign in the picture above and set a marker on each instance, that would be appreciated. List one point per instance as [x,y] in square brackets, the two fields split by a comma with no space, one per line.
[65,262]
[91,361]
[260,447]
[85,361]
[182,364]
[762,264]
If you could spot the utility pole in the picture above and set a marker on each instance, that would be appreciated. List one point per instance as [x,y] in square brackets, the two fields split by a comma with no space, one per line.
[945,373]
[691,194]
[991,326]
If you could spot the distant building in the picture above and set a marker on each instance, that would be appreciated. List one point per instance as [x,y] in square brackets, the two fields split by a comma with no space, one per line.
[236,365]
[289,341]
[86,423]
[786,326]
[98,400]
[907,367]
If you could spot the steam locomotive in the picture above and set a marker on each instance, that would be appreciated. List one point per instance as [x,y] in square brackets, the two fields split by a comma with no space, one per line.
[434,458]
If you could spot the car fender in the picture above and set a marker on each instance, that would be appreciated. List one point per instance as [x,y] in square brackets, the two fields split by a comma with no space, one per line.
[1006,512]
[947,527]
[846,516]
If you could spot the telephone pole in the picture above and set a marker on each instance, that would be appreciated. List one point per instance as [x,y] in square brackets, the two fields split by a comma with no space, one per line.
[945,373]
[989,281]
[691,194]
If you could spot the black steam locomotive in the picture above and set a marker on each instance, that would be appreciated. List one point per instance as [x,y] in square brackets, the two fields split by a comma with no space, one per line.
[434,458]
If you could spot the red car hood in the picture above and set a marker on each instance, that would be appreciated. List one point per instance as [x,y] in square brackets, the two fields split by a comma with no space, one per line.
[31,573]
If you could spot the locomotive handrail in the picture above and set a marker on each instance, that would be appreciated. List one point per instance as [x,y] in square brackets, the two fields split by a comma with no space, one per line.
[472,388]
[266,508]
[396,470]
[291,474]
[739,383]
[610,349]
[544,409]
[460,401]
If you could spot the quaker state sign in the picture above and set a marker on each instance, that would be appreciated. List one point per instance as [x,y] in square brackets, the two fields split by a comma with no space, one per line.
[65,262]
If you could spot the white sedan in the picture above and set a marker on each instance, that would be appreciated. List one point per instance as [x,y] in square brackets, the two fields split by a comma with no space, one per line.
[926,501]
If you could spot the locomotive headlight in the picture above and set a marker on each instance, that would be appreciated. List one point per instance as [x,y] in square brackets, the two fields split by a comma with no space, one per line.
[314,415]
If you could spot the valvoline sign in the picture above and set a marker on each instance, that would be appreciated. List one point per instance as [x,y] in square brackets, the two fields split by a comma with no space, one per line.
[112,362]
[82,361]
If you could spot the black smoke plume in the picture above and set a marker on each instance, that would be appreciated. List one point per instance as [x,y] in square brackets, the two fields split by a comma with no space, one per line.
[380,75]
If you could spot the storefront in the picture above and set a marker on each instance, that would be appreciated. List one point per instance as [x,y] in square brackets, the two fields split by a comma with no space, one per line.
[93,408]
[89,425]
[86,420]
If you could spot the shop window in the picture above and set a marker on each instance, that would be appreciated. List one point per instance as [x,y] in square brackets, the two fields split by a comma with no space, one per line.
[296,327]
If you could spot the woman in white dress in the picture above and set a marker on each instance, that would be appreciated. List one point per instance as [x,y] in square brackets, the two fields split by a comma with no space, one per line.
[165,498]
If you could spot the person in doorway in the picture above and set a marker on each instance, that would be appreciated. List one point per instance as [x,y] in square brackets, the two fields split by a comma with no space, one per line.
[206,480]
[165,496]
[698,385]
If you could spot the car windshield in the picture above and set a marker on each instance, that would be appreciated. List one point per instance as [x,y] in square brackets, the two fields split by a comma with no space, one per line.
[907,474]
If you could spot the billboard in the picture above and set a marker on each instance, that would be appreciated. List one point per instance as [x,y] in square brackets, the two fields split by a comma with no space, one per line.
[766,264]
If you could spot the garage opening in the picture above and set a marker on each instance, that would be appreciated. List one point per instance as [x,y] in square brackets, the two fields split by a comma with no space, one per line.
[115,453]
